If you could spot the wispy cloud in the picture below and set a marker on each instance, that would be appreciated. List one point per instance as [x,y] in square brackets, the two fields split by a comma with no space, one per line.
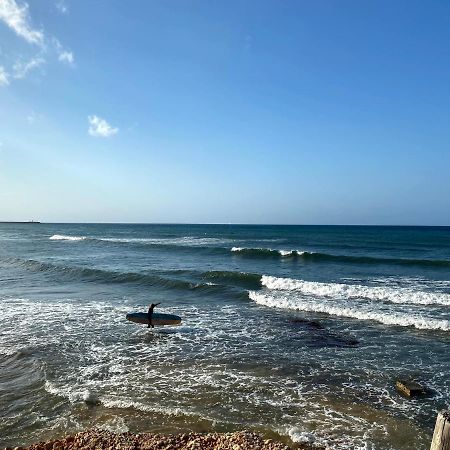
[21,69]
[99,127]
[66,57]
[63,55]
[18,19]
[4,81]
[16,16]
[62,7]
[33,117]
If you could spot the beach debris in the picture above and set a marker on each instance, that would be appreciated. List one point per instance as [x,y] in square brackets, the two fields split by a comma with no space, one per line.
[409,388]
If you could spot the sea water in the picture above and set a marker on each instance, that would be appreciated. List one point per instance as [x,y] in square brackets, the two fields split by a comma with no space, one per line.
[298,332]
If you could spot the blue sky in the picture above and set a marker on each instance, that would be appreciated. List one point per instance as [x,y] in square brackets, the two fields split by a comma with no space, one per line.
[328,112]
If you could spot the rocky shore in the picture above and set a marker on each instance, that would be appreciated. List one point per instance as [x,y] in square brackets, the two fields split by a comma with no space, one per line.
[102,439]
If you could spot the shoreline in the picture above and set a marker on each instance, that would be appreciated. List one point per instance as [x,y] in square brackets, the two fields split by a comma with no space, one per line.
[97,438]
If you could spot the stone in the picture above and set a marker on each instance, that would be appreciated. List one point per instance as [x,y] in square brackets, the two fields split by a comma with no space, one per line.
[96,439]
[409,388]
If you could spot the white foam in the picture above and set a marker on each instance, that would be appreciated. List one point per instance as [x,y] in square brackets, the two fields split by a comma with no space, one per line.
[61,237]
[115,425]
[343,309]
[96,350]
[131,404]
[282,253]
[67,392]
[330,441]
[291,252]
[186,241]
[90,397]
[357,291]
[302,437]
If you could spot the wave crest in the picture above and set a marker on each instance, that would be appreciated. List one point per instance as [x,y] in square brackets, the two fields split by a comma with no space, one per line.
[317,306]
[356,291]
[310,256]
[62,237]
[78,273]
[261,252]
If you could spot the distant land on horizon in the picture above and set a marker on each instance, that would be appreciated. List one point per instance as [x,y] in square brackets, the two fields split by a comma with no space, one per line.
[19,221]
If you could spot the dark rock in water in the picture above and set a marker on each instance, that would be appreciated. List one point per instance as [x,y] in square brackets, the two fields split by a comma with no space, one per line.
[310,323]
[323,337]
[409,388]
[349,341]
[335,340]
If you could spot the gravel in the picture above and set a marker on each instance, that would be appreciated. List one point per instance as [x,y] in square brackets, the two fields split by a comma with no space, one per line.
[102,439]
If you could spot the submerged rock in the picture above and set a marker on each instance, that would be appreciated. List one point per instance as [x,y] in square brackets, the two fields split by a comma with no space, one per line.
[409,388]
[309,323]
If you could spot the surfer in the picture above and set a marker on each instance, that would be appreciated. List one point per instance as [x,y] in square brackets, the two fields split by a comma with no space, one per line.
[150,314]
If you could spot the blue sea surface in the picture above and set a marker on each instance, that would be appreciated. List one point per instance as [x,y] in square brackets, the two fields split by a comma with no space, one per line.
[298,332]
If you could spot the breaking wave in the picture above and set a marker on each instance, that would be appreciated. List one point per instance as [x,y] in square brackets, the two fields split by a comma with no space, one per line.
[356,291]
[343,310]
[264,252]
[185,241]
[217,245]
[309,256]
[62,237]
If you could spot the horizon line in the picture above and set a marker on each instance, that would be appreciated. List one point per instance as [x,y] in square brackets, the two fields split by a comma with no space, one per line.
[36,222]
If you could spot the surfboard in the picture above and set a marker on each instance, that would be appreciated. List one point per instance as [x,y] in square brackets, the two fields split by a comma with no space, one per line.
[157,318]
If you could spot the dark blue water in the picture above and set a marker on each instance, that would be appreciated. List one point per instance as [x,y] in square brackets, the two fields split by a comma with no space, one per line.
[295,331]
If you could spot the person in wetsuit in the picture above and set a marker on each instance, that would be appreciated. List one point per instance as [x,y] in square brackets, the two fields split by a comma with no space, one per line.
[150,314]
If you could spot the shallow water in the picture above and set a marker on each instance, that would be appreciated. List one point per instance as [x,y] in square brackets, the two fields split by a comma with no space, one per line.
[297,332]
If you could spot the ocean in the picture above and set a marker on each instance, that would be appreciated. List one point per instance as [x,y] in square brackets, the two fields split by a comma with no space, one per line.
[298,332]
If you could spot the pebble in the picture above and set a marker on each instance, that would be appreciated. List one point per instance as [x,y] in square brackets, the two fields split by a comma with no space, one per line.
[97,439]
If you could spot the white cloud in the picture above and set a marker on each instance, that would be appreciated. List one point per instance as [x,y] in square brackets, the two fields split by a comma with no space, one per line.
[62,7]
[3,77]
[22,69]
[100,127]
[15,14]
[63,55]
[17,18]
[66,56]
